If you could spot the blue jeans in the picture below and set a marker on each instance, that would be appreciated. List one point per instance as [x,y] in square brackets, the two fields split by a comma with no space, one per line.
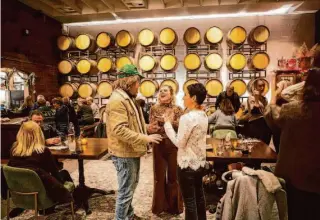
[128,178]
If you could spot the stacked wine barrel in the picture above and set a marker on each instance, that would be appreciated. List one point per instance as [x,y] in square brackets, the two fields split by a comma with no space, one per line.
[236,38]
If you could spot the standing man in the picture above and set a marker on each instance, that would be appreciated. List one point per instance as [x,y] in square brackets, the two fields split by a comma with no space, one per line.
[231,95]
[127,137]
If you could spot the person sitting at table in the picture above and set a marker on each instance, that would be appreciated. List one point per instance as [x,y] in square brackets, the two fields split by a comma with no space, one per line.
[61,116]
[95,109]
[29,152]
[36,104]
[257,126]
[47,113]
[27,106]
[72,115]
[51,134]
[224,120]
[298,159]
[166,193]
[85,114]
[191,144]
[231,95]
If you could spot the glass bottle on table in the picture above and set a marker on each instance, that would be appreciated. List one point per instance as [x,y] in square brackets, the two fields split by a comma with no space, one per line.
[71,138]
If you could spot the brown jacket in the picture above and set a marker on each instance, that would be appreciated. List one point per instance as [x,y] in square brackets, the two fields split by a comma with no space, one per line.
[126,128]
[298,159]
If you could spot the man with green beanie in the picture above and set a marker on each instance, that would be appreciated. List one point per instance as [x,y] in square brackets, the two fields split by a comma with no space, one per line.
[127,137]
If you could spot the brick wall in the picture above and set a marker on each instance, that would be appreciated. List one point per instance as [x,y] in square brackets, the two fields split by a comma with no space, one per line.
[36,52]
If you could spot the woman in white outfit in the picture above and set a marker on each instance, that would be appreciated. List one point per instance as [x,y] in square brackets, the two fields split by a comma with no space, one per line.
[191,144]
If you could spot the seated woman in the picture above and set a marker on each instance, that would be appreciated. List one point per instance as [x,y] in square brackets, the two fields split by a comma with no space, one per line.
[85,113]
[29,152]
[257,126]
[224,119]
[191,144]
[27,106]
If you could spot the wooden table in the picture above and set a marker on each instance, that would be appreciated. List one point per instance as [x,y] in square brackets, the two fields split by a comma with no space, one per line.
[259,153]
[95,149]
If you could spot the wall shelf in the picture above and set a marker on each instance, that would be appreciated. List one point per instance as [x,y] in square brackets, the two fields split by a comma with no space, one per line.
[246,49]
[248,74]
[204,50]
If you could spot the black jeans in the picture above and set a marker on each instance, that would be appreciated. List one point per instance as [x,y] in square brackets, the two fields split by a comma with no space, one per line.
[302,205]
[192,192]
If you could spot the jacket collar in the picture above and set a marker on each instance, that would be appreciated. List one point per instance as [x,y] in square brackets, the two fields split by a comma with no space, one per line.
[123,94]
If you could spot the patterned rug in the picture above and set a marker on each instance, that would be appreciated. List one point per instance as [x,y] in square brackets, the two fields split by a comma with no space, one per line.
[102,174]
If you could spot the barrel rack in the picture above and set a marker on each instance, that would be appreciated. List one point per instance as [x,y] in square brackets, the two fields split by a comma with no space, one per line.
[248,51]
[158,50]
[113,53]
[204,49]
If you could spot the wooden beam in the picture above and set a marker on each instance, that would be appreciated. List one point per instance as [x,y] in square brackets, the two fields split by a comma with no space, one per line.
[38,5]
[164,4]
[88,3]
[146,3]
[200,2]
[53,6]
[106,3]
[125,5]
[73,5]
[182,3]
[238,1]
[219,2]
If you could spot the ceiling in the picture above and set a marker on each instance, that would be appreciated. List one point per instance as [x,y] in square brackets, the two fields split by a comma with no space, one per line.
[69,11]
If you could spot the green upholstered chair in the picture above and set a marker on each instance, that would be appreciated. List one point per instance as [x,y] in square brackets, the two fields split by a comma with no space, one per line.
[222,133]
[27,190]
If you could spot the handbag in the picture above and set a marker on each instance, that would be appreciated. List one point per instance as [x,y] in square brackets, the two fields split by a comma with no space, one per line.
[101,130]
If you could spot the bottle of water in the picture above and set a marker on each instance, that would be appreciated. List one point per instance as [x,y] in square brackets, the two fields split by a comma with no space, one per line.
[71,138]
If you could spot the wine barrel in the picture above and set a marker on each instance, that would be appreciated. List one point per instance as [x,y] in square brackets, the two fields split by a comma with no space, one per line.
[146,37]
[105,40]
[168,37]
[214,87]
[236,62]
[121,61]
[251,84]
[148,88]
[147,63]
[105,89]
[125,39]
[65,43]
[105,64]
[171,82]
[168,62]
[67,66]
[259,61]
[213,61]
[69,90]
[85,66]
[258,36]
[85,42]
[192,36]
[87,89]
[213,35]
[239,86]
[192,62]
[236,37]
[187,83]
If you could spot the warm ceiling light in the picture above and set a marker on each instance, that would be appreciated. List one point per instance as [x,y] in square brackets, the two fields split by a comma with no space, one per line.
[279,11]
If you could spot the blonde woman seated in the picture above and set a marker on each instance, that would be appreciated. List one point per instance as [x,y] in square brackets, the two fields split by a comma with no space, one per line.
[166,193]
[29,152]
[224,120]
